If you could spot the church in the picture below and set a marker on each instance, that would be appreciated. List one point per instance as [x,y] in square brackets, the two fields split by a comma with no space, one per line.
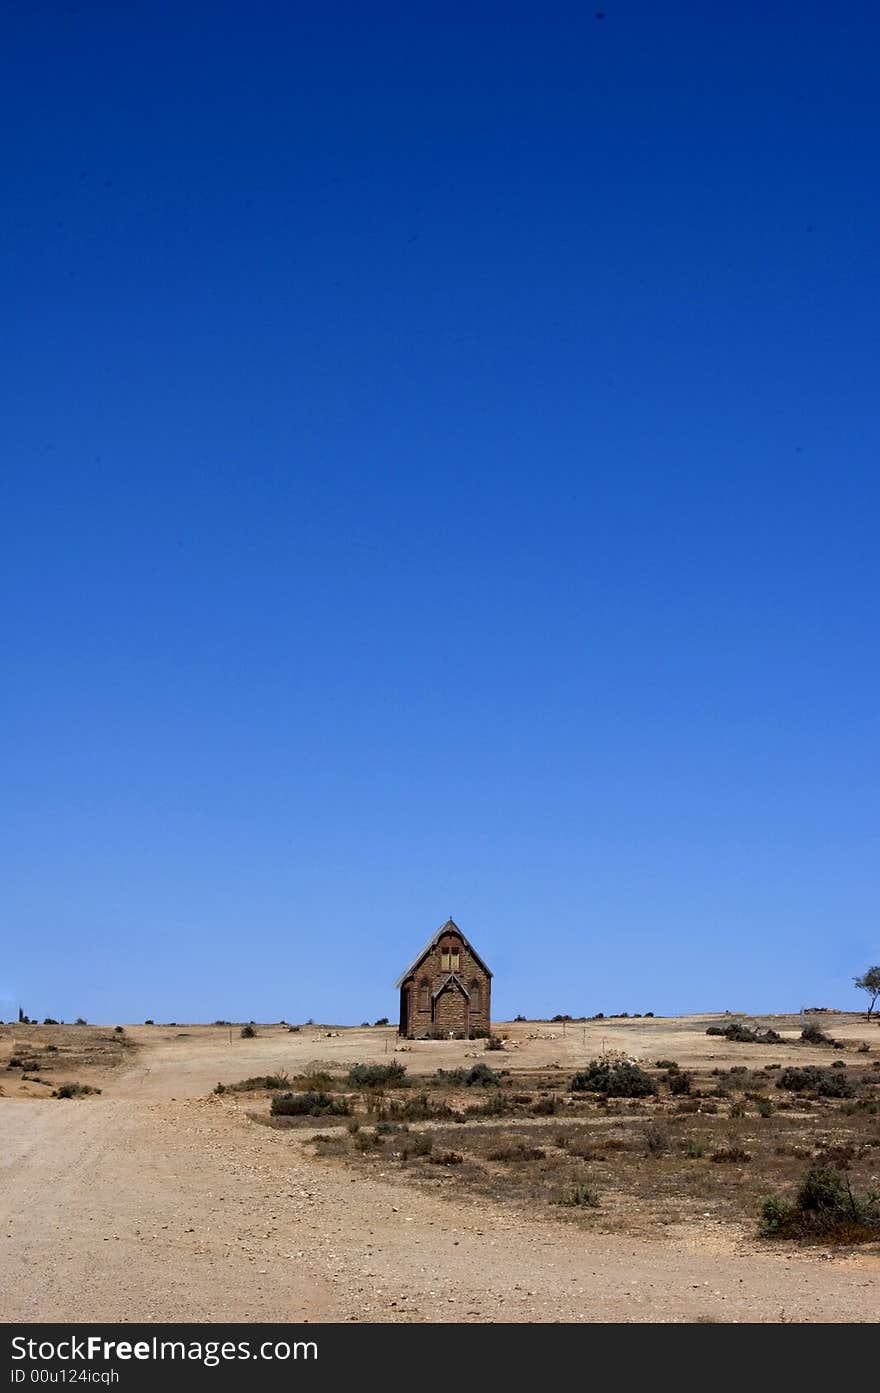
[446,989]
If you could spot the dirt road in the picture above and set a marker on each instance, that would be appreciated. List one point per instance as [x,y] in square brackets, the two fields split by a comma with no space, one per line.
[156,1202]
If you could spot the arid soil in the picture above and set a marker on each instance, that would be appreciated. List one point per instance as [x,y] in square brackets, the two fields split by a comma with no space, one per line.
[158,1199]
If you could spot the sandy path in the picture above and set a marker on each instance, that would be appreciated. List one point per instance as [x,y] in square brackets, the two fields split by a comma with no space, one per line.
[132,1206]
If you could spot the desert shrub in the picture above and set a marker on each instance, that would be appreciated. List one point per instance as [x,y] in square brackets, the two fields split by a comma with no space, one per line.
[255,1084]
[737,1110]
[745,1034]
[451,1078]
[545,1107]
[812,1035]
[656,1139]
[496,1105]
[420,1145]
[764,1107]
[730,1154]
[679,1082]
[815,1080]
[314,1081]
[688,1104]
[417,1107]
[446,1158]
[864,1048]
[387,1129]
[74,1090]
[50,1020]
[694,1147]
[622,1080]
[309,1105]
[823,1207]
[580,1197]
[383,1020]
[247,1032]
[670,1064]
[391,1075]
[479,1032]
[80,1020]
[119,1029]
[481,1076]
[19,1061]
[494,1042]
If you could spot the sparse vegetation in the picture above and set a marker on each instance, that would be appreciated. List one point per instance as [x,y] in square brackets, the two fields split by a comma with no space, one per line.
[255,1084]
[309,1105]
[732,1154]
[622,1080]
[247,1032]
[74,1090]
[580,1197]
[823,1082]
[391,1075]
[812,1035]
[745,1034]
[479,1076]
[824,1207]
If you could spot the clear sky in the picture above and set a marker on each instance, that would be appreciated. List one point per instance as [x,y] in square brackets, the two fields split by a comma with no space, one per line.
[440,476]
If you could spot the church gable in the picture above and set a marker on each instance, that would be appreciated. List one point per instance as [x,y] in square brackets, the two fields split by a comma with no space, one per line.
[446,989]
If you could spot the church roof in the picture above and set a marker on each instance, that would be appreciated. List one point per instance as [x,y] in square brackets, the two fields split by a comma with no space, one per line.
[432,941]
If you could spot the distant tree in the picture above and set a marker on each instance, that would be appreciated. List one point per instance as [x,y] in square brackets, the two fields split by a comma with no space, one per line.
[870,982]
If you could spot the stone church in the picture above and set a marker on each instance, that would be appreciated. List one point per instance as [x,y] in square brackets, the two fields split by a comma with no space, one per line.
[446,989]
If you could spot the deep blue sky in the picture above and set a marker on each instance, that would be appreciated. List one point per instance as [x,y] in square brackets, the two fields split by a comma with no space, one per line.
[440,476]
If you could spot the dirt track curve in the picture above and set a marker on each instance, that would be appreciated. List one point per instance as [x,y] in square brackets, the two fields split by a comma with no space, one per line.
[157,1202]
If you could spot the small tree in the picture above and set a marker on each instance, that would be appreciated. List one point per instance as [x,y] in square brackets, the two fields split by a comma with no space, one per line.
[870,982]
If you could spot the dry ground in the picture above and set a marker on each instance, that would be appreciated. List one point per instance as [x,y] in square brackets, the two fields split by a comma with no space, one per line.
[161,1200]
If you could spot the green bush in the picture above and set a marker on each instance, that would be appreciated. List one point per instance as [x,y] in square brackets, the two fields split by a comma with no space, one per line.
[679,1082]
[824,1207]
[745,1034]
[812,1035]
[309,1105]
[824,1082]
[391,1075]
[613,1080]
[479,1076]
[247,1032]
